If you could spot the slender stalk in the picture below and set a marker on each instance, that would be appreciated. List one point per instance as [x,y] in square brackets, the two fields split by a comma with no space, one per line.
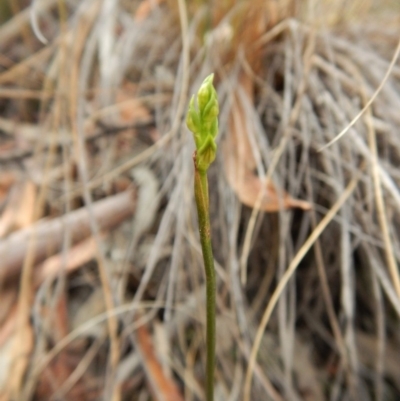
[202,120]
[202,203]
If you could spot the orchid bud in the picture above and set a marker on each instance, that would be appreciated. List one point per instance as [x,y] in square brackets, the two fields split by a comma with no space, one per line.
[192,117]
[204,123]
[205,92]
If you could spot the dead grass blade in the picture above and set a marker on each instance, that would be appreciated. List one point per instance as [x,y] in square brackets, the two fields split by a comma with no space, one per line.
[286,277]
[380,204]
[370,101]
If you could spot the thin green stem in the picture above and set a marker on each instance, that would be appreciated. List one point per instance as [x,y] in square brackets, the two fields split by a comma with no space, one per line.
[202,203]
[202,120]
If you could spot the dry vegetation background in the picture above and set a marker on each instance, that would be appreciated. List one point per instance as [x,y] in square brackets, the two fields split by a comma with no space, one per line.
[101,276]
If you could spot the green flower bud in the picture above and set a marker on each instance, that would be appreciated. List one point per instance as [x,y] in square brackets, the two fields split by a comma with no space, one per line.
[192,117]
[205,93]
[206,154]
[203,122]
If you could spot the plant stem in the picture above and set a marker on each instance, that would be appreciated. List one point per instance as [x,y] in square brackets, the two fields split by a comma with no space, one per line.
[202,203]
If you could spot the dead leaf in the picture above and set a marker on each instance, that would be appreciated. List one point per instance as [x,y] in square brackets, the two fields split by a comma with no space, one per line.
[240,162]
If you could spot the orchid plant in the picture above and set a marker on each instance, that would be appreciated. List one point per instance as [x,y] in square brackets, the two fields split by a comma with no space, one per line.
[202,120]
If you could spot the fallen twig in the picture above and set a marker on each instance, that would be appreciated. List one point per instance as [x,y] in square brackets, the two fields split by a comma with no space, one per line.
[108,212]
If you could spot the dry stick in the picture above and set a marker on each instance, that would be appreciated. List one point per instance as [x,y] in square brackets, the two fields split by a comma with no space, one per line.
[368,104]
[285,279]
[20,93]
[66,261]
[109,212]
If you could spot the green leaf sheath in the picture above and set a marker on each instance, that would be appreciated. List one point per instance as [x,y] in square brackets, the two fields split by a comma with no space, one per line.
[202,202]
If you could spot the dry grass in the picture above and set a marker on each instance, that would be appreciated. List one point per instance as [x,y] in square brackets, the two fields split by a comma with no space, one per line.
[308,300]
